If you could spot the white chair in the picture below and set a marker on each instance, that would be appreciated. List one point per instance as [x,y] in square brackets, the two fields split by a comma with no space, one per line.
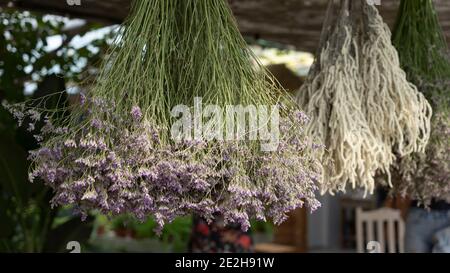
[380,231]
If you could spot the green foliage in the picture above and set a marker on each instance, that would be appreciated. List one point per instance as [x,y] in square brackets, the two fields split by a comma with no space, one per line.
[24,54]
[174,235]
[28,224]
[262,227]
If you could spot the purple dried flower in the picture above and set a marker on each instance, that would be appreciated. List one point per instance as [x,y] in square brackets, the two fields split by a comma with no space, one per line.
[200,184]
[80,185]
[82,98]
[147,201]
[301,117]
[32,176]
[70,143]
[34,115]
[31,127]
[96,123]
[137,173]
[90,195]
[38,138]
[136,113]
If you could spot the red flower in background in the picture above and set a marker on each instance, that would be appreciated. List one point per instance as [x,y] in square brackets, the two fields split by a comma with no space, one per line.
[245,241]
[203,229]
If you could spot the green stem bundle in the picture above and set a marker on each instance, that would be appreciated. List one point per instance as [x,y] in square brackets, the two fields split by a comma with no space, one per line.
[423,49]
[424,55]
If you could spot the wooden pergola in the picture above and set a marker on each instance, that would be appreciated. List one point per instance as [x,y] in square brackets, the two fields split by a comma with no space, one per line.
[292,22]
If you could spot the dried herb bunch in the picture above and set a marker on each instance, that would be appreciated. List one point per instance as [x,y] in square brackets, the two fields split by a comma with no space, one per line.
[424,55]
[115,152]
[361,105]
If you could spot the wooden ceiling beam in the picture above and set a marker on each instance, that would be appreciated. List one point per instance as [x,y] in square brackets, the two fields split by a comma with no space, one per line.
[293,22]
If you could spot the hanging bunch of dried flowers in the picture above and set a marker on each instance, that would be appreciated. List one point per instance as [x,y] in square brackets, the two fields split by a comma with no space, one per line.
[362,107]
[423,52]
[122,151]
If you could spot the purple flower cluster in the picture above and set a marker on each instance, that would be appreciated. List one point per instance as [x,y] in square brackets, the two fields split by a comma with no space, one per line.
[136,113]
[119,164]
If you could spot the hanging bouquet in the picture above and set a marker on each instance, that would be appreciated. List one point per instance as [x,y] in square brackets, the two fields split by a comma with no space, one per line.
[361,105]
[152,136]
[423,53]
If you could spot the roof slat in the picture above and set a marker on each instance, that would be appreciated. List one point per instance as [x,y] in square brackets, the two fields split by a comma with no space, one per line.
[293,22]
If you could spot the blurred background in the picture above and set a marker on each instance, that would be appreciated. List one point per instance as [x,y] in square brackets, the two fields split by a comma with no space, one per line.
[53,45]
